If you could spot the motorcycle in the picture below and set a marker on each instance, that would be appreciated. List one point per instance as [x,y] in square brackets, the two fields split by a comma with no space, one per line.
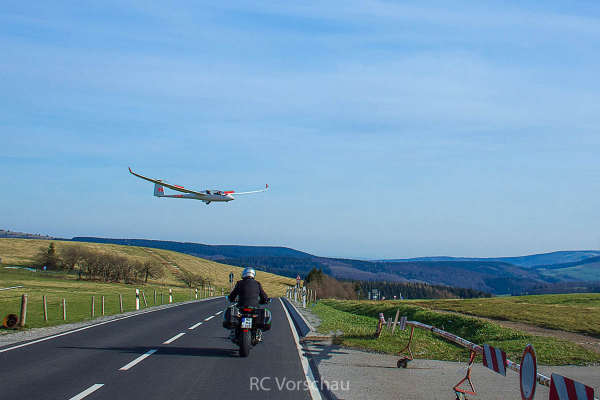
[246,325]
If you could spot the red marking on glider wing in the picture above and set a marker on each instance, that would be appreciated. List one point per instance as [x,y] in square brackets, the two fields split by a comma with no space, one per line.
[229,192]
[179,186]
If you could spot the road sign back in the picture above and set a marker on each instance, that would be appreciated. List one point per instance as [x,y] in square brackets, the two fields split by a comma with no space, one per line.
[562,388]
[528,373]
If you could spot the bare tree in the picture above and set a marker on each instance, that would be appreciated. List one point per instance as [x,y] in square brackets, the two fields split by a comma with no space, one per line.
[192,279]
[71,256]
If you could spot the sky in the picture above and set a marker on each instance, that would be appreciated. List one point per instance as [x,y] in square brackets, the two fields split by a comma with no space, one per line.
[384,129]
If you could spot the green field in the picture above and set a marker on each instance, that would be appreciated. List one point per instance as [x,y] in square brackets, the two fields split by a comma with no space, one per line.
[579,313]
[358,321]
[78,293]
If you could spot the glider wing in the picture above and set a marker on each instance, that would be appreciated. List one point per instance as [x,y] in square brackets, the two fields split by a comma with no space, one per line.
[172,187]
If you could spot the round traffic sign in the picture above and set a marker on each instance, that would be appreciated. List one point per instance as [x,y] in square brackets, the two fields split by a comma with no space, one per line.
[528,373]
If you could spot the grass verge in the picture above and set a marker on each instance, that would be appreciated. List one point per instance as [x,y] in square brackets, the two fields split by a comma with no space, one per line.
[578,313]
[78,295]
[358,321]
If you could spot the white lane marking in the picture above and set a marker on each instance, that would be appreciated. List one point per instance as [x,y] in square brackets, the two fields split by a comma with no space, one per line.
[310,378]
[88,391]
[102,323]
[174,338]
[209,318]
[137,360]
[195,326]
[219,313]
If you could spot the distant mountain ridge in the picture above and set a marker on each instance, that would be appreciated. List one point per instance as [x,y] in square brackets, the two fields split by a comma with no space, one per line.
[557,257]
[209,251]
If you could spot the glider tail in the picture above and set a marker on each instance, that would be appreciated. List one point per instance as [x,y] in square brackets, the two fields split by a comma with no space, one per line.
[159,190]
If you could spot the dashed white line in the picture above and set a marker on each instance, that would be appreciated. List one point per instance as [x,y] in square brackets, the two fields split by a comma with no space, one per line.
[195,326]
[209,318]
[219,313]
[137,360]
[88,391]
[174,338]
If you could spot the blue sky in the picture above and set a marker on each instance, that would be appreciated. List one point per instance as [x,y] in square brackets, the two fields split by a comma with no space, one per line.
[384,129]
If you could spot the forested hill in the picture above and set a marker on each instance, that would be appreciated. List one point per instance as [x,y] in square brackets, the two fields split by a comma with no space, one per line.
[496,277]
[213,252]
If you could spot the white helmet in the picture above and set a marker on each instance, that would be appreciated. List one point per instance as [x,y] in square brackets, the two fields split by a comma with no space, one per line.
[249,273]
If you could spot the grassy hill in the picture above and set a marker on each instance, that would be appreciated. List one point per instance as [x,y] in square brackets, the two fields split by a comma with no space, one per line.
[22,252]
[578,313]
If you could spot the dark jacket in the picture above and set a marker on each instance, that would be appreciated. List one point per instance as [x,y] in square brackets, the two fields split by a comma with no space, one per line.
[249,291]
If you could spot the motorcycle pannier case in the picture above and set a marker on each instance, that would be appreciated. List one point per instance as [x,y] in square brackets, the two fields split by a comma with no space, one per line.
[263,321]
[230,317]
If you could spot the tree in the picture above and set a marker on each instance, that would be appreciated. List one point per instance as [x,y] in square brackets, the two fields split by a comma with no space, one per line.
[357,288]
[70,256]
[150,269]
[192,279]
[315,276]
[48,258]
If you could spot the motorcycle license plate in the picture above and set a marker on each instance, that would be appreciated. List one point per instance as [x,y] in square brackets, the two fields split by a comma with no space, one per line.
[247,323]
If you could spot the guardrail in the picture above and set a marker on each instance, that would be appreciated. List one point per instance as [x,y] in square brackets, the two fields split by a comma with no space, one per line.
[561,388]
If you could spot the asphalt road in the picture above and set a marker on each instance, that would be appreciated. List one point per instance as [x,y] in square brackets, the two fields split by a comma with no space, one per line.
[180,352]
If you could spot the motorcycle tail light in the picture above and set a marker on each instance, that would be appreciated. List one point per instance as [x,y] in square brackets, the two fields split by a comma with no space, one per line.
[246,309]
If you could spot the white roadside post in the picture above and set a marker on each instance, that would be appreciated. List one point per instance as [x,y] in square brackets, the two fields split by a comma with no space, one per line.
[137,299]
[304,296]
[170,296]
[196,293]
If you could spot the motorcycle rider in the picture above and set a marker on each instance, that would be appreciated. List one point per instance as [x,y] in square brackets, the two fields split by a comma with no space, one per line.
[249,290]
[250,293]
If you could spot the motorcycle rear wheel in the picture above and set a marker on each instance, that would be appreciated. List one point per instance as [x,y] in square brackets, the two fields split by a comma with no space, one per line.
[245,343]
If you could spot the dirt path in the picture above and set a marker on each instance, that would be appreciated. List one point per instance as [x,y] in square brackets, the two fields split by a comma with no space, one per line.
[590,343]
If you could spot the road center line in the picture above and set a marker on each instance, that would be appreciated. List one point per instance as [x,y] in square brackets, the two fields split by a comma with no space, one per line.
[195,326]
[219,313]
[174,338]
[87,391]
[137,360]
[209,318]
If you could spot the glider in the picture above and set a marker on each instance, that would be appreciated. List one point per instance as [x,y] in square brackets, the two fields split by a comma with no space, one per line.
[206,196]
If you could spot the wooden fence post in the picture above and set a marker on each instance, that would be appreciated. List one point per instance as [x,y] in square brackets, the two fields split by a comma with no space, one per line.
[93,306]
[45,308]
[144,297]
[102,305]
[23,310]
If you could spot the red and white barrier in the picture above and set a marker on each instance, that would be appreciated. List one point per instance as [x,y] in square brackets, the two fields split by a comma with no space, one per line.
[562,388]
[494,359]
